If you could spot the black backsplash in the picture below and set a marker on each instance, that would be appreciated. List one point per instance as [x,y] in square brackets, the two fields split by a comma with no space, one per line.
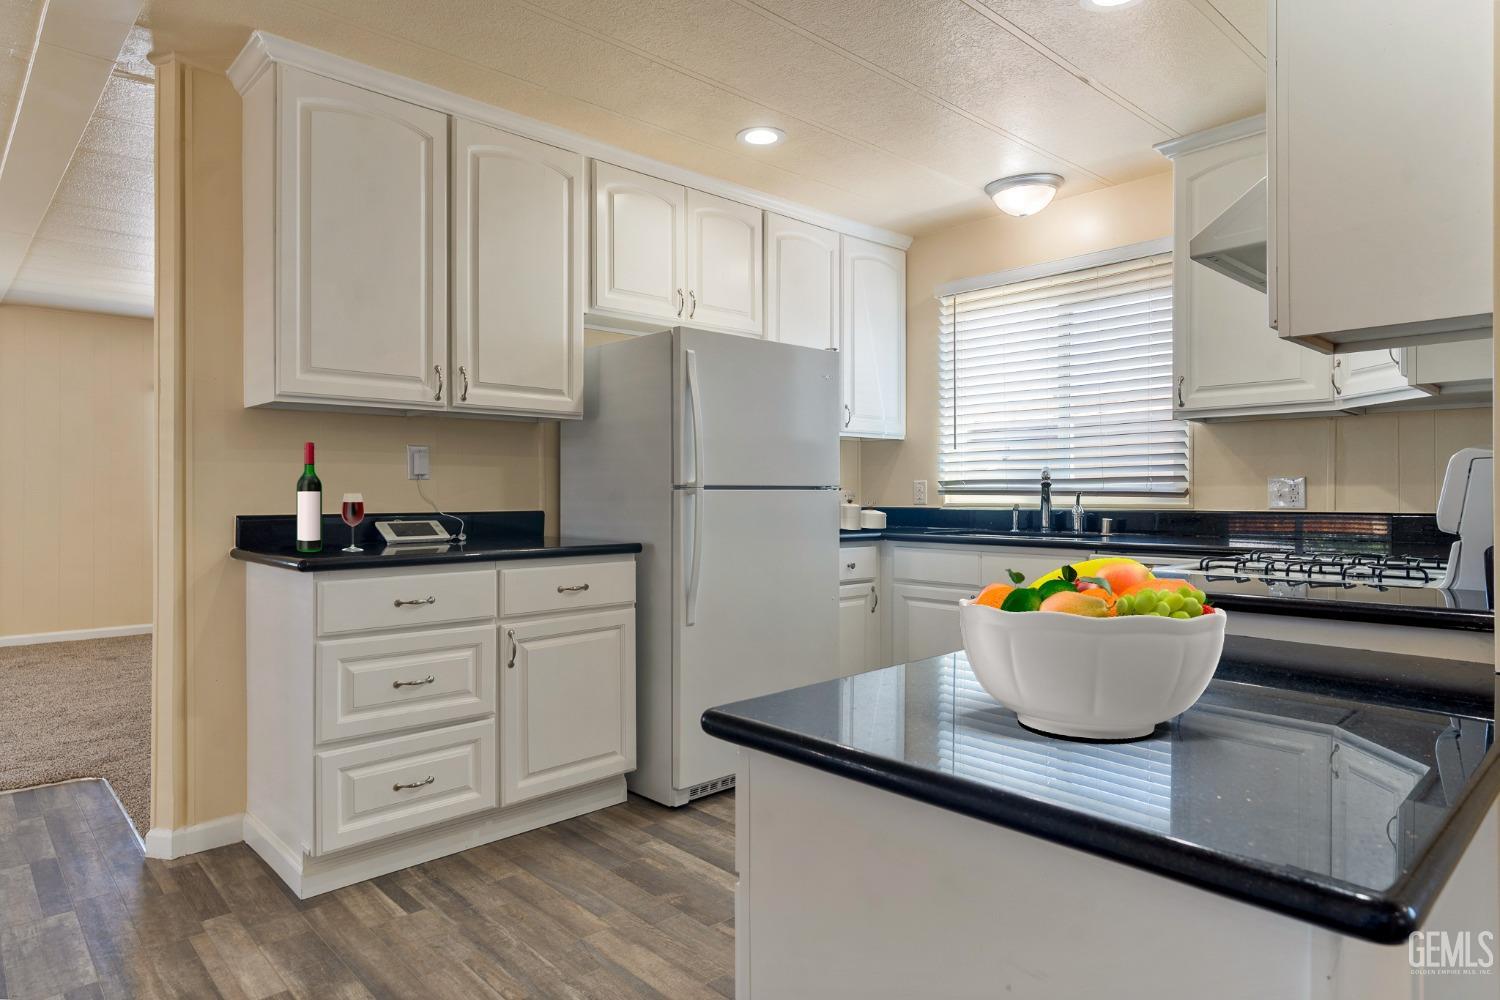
[261,531]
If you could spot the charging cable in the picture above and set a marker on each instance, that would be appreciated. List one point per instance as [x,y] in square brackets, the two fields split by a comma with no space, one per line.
[423,494]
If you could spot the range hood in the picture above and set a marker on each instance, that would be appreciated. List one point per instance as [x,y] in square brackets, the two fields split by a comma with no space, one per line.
[1235,242]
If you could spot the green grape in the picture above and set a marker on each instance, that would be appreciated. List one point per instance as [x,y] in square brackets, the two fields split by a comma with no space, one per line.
[1180,614]
[1192,607]
[1172,602]
[1199,596]
[1123,606]
[1162,611]
[1145,601]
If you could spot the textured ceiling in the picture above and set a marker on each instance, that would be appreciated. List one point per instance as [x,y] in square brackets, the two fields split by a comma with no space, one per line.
[896,111]
[19,21]
[94,248]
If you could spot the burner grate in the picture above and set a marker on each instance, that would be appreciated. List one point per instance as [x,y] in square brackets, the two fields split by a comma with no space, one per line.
[1350,568]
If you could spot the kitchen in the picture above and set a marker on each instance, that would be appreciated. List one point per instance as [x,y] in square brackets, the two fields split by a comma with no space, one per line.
[605,390]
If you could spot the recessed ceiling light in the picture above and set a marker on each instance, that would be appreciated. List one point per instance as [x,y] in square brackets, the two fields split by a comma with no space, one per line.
[1023,194]
[761,135]
[1103,5]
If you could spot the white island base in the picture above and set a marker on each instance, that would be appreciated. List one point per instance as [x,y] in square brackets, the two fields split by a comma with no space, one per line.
[849,891]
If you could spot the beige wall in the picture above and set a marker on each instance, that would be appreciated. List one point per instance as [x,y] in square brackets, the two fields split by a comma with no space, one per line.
[75,470]
[1373,462]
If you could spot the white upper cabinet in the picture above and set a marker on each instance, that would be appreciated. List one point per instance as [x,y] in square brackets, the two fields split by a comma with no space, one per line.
[346,240]
[1225,356]
[518,271]
[724,260]
[873,339]
[640,245]
[1381,175]
[802,283]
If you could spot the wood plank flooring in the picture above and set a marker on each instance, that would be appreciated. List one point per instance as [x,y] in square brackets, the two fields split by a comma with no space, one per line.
[632,901]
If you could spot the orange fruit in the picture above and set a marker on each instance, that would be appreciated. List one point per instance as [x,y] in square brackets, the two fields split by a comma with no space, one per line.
[1101,594]
[994,595]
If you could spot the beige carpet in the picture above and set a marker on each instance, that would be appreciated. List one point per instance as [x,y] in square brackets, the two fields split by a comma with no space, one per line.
[79,710]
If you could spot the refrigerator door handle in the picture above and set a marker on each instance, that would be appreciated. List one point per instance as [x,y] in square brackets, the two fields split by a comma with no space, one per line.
[695,566]
[696,402]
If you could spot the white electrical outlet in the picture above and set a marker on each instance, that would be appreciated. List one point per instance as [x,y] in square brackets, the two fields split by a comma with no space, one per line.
[919,492]
[418,462]
[1287,492]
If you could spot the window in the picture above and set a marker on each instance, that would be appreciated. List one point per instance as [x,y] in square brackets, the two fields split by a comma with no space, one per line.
[1066,367]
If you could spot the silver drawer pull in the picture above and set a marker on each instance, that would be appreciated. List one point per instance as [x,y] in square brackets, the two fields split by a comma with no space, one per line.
[413,784]
[412,684]
[426,600]
[573,590]
[848,565]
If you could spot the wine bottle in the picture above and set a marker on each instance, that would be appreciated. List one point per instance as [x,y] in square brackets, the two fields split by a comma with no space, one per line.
[309,505]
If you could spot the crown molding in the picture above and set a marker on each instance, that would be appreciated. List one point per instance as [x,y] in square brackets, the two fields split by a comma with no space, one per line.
[1209,137]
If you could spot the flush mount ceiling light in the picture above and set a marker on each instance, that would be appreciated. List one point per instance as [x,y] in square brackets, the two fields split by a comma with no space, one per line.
[1023,194]
[761,135]
[1103,5]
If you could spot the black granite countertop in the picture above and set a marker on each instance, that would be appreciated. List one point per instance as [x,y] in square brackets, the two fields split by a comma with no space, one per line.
[491,536]
[1234,796]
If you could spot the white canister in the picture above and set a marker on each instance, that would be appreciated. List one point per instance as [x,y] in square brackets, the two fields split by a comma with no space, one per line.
[849,517]
[872,519]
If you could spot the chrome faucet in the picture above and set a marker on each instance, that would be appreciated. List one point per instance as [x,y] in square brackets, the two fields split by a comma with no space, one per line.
[1078,516]
[1046,499]
[1015,517]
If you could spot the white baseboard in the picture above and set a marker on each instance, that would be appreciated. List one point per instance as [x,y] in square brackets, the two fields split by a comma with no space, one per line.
[166,844]
[73,635]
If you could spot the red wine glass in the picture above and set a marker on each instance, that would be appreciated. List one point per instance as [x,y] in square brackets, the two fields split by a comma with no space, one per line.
[353,512]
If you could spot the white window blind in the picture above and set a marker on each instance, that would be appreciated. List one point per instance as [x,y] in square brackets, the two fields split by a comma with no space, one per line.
[1071,372]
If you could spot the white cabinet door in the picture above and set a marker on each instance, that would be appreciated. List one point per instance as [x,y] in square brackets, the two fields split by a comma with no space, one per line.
[1368,790]
[873,339]
[724,260]
[1363,378]
[567,702]
[859,628]
[1225,356]
[926,620]
[362,245]
[518,235]
[1381,223]
[640,245]
[1467,366]
[802,283]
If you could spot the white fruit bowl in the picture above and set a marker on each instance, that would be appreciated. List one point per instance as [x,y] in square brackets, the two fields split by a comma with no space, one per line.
[1091,678]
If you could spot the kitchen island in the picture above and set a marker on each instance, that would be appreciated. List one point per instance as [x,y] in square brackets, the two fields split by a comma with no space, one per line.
[901,835]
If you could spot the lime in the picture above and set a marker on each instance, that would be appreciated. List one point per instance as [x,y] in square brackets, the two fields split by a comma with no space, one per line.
[1022,599]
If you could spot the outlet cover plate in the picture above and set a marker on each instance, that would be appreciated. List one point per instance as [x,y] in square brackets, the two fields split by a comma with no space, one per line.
[919,492]
[418,462]
[1287,492]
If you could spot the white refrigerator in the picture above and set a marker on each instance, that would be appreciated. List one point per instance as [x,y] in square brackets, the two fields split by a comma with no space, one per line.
[720,454]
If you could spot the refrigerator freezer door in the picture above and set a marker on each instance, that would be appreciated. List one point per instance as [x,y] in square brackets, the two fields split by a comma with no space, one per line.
[764,608]
[767,414]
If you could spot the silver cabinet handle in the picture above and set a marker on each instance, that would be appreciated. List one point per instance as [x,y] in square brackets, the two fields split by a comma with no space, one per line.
[692,309]
[1333,376]
[680,302]
[1333,761]
[848,565]
[572,590]
[463,394]
[426,600]
[439,393]
[875,594]
[413,684]
[848,414]
[510,634]
[1180,380]
[1388,831]
[398,786]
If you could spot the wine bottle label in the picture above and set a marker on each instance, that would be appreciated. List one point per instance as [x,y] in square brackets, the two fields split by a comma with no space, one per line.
[309,516]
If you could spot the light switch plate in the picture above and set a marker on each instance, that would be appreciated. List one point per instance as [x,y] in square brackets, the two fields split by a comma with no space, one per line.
[1287,492]
[418,462]
[919,492]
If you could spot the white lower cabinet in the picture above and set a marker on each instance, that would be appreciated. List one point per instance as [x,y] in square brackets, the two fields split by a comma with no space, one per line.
[567,703]
[1369,785]
[861,617]
[396,712]
[925,620]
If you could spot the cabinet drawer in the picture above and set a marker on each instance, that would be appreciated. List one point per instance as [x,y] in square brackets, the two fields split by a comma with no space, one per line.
[386,787]
[381,684]
[527,590]
[404,600]
[937,565]
[857,562]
